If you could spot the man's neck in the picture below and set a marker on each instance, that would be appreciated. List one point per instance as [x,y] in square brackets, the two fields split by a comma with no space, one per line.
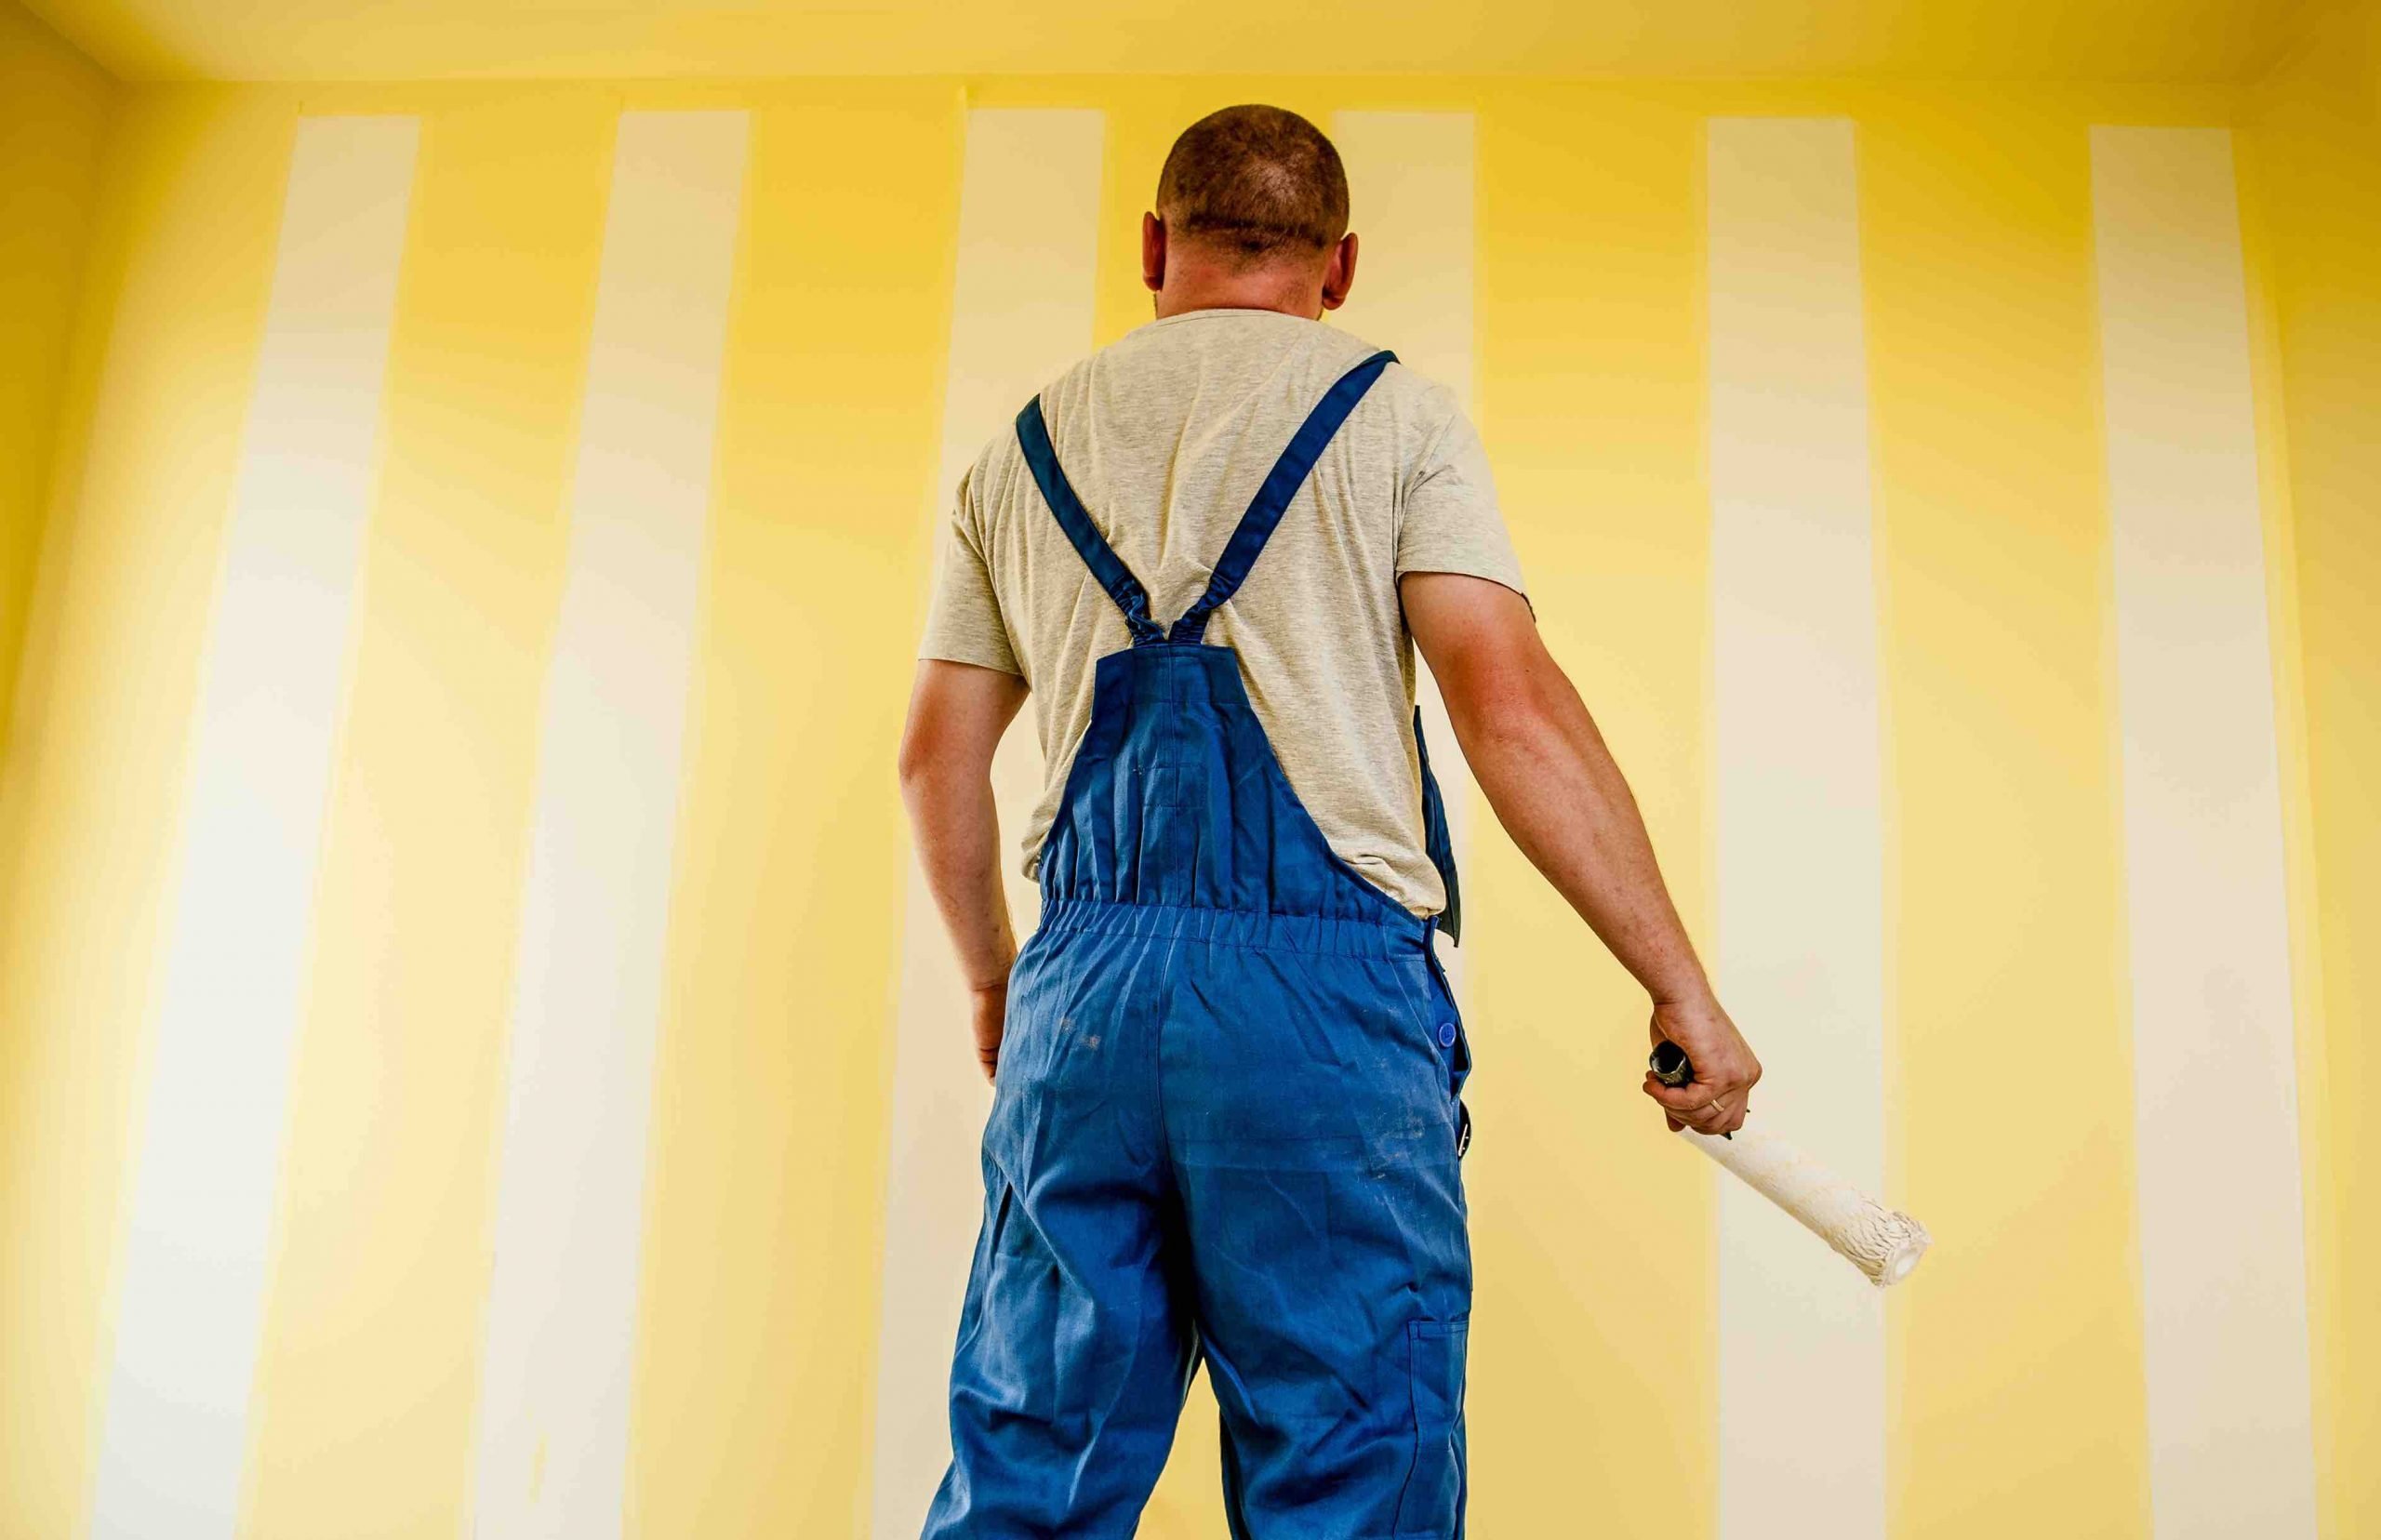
[1290,292]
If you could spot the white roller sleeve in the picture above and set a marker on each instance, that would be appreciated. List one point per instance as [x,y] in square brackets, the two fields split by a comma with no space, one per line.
[1882,1243]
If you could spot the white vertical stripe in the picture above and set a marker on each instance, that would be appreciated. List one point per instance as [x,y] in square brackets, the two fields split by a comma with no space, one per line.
[1410,182]
[2222,1264]
[1799,843]
[555,1364]
[1021,312]
[1411,190]
[193,1271]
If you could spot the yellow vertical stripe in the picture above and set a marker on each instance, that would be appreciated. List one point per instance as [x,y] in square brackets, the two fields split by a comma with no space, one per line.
[370,1361]
[2316,1111]
[1591,1392]
[2311,157]
[54,111]
[190,203]
[765,1217]
[2012,1123]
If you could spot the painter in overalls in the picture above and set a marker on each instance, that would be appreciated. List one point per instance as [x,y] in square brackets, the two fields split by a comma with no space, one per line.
[1227,1067]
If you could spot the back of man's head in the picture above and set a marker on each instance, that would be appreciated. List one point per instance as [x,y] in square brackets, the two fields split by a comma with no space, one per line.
[1254,185]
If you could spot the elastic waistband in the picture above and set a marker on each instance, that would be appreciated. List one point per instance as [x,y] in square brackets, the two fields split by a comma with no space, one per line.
[1394,935]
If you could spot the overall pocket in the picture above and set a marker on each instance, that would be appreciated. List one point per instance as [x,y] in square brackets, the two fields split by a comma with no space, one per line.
[1432,1502]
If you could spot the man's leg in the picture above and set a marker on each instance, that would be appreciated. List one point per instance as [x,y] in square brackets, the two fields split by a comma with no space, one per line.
[1341,1392]
[1313,1138]
[1076,1342]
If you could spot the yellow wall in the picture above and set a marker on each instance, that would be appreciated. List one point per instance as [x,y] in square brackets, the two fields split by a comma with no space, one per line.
[54,107]
[2016,1369]
[1976,234]
[2311,163]
[764,1216]
[1599,455]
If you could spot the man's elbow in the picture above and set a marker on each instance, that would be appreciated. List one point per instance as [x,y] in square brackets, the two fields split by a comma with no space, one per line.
[921,755]
[940,759]
[1498,695]
[957,714]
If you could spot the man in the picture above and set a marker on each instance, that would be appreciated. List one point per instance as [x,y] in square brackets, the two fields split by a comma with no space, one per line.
[1227,1067]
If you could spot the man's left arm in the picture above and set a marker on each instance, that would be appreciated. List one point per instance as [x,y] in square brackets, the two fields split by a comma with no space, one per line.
[957,714]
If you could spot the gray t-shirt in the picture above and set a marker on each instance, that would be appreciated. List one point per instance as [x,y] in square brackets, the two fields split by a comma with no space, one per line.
[1165,435]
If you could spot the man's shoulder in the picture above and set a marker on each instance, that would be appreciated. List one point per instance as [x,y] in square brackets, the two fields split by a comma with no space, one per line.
[988,476]
[1421,396]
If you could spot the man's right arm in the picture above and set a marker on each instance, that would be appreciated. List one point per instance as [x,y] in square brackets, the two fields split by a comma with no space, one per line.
[1536,753]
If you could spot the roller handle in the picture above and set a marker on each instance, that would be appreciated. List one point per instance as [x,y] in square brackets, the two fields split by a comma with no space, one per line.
[1673,1069]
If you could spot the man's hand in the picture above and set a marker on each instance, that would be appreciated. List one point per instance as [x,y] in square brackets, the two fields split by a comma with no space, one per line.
[1726,1071]
[988,1018]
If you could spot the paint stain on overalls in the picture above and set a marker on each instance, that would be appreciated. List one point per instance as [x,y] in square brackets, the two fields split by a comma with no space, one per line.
[1226,1124]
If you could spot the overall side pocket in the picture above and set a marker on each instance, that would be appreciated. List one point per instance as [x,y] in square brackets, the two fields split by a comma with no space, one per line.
[1432,1502]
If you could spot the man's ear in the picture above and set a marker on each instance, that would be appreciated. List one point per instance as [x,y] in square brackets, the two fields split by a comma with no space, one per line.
[1153,253]
[1339,272]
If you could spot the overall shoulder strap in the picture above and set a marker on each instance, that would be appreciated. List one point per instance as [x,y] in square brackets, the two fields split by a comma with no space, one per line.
[1042,459]
[1281,483]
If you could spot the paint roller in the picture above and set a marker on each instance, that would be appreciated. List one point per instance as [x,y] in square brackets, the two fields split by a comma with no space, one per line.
[1884,1243]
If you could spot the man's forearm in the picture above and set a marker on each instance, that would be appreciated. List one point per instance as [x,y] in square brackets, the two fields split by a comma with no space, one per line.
[1536,753]
[958,837]
[957,714]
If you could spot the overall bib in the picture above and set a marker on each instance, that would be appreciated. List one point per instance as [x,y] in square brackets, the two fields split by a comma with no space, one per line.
[1225,1123]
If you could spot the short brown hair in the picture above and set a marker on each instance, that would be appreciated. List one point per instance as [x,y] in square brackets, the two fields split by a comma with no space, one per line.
[1255,183]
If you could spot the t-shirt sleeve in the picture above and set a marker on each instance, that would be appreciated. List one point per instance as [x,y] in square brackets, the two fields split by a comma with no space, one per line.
[963,624]
[1452,523]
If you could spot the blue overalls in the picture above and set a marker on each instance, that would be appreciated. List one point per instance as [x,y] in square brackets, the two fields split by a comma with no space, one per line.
[1225,1123]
